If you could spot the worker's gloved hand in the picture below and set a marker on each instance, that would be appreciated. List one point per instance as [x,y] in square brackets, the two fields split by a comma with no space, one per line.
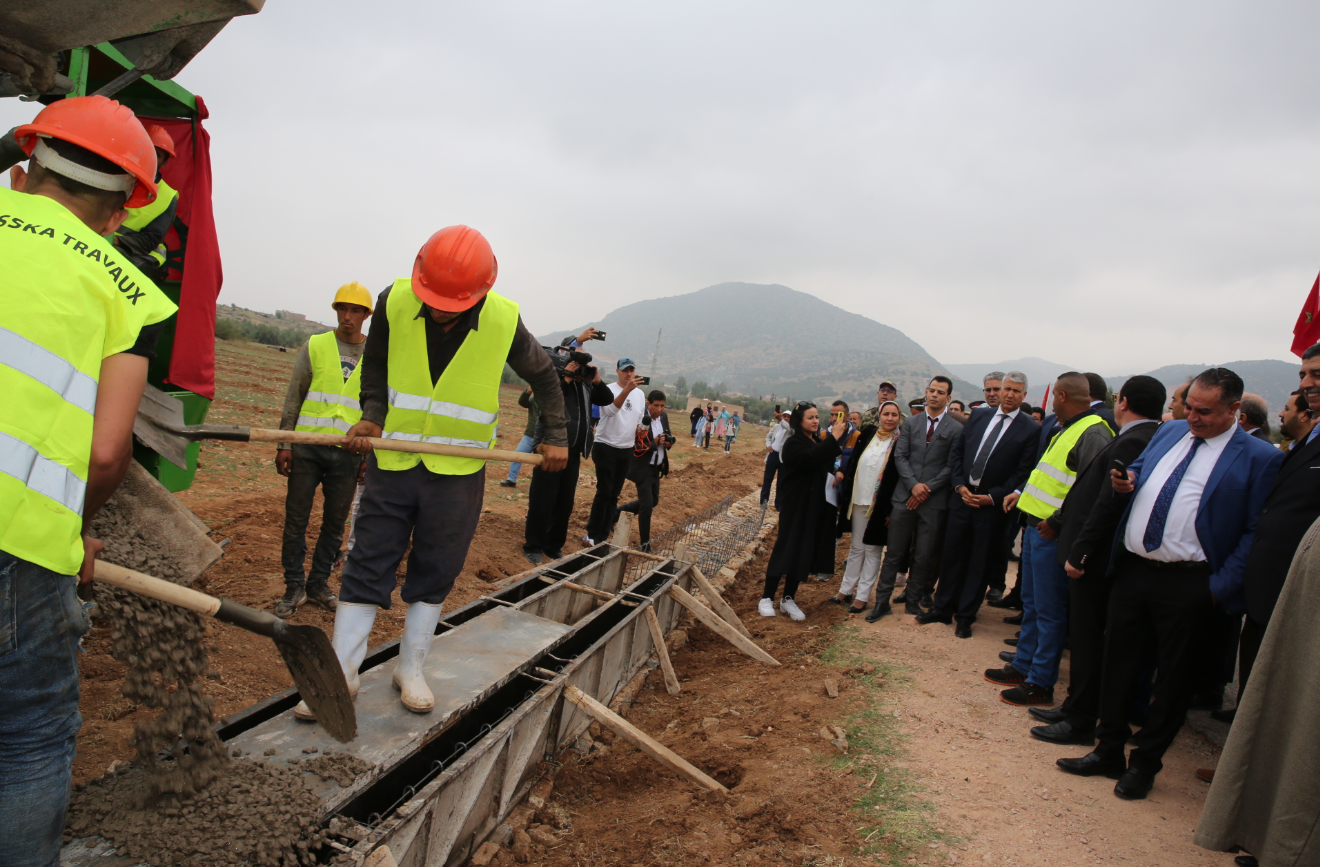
[91,550]
[554,458]
[284,462]
[354,441]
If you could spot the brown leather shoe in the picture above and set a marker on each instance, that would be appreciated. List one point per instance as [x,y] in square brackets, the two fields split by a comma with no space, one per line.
[1207,774]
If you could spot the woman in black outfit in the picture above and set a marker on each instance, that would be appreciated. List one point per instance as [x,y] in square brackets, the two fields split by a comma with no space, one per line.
[805,519]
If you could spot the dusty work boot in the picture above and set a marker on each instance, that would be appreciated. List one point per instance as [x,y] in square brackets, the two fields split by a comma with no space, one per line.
[322,595]
[288,606]
[418,633]
[353,622]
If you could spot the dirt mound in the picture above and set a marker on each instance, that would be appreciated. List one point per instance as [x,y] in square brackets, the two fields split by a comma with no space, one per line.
[254,813]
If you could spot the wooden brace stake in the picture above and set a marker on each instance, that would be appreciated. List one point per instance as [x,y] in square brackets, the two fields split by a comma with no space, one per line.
[717,625]
[622,531]
[661,651]
[640,739]
[717,603]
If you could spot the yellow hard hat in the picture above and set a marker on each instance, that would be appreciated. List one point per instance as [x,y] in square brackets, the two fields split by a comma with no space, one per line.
[354,293]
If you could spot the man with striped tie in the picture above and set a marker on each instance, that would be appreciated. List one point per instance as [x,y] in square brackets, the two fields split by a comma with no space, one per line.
[1194,496]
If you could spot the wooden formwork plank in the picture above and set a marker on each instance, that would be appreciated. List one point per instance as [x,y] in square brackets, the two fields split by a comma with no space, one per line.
[717,625]
[661,651]
[717,603]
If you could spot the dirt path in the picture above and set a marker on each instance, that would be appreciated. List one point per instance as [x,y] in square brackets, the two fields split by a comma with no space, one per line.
[938,770]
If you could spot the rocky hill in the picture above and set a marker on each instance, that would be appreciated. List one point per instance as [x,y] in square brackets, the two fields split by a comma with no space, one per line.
[761,339]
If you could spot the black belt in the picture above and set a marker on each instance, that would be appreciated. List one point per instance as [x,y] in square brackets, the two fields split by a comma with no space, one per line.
[1175,566]
[976,489]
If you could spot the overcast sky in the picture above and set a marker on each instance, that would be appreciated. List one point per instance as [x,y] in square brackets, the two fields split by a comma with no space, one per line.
[1115,186]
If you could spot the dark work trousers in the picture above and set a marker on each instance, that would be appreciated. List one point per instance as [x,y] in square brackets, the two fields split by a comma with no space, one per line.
[972,541]
[916,537]
[1216,655]
[768,477]
[1159,608]
[611,472]
[550,506]
[437,512]
[1088,609]
[335,471]
[1252,635]
[647,480]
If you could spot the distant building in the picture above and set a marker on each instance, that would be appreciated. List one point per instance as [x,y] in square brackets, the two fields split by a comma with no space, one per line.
[289,314]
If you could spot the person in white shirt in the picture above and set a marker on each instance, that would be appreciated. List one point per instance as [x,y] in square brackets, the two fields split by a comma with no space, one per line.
[612,453]
[650,463]
[865,502]
[774,442]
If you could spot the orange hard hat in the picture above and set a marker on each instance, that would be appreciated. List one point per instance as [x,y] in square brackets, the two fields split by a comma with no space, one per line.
[160,138]
[454,269]
[103,127]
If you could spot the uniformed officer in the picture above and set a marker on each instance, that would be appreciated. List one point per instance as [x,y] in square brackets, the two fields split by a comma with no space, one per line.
[142,235]
[431,373]
[322,398]
[75,344]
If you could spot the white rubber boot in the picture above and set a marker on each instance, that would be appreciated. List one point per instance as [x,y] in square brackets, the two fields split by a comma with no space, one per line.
[353,622]
[418,633]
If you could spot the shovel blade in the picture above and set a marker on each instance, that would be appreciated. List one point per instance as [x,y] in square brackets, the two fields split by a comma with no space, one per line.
[320,680]
[157,414]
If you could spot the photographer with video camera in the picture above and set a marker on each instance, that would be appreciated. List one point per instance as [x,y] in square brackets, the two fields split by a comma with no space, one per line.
[614,447]
[551,498]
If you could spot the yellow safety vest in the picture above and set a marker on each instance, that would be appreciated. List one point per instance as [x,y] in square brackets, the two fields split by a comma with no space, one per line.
[139,218]
[1049,483]
[464,405]
[331,405]
[70,300]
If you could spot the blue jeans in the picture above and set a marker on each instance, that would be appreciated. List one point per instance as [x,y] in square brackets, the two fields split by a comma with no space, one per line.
[1044,609]
[41,621]
[524,446]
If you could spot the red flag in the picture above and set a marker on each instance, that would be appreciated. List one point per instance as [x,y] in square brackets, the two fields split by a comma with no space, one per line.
[1045,401]
[1306,333]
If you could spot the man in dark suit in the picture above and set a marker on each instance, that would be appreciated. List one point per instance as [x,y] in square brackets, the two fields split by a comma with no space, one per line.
[1085,523]
[1181,548]
[1255,417]
[1099,394]
[1290,509]
[991,459]
[920,501]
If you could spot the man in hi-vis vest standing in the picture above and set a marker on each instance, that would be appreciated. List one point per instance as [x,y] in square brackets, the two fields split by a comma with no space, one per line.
[322,398]
[431,373]
[76,339]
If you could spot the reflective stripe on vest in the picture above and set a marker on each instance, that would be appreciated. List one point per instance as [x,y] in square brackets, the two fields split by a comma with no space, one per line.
[1051,480]
[332,402]
[463,406]
[71,300]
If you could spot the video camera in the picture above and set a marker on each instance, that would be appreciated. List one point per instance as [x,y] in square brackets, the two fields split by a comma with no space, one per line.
[562,356]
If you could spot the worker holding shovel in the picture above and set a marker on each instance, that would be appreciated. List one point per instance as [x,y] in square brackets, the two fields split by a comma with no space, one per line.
[75,344]
[431,373]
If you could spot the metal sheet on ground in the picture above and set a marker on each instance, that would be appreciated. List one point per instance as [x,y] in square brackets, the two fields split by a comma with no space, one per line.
[464,665]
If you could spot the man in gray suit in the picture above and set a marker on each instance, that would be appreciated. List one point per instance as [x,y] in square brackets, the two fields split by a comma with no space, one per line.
[921,499]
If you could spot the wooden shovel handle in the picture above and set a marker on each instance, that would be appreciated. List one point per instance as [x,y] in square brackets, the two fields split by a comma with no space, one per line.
[157,588]
[257,435]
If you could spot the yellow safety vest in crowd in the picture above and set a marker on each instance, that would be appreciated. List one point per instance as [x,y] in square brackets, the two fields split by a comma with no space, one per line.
[140,218]
[464,405]
[70,300]
[1049,483]
[331,405]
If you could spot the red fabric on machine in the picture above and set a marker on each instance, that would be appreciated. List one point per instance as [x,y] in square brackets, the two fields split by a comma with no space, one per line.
[192,365]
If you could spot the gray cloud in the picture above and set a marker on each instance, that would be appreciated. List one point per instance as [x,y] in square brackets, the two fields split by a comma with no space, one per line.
[1117,185]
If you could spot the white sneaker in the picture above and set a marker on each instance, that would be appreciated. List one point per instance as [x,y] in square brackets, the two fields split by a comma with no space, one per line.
[414,645]
[353,622]
[767,608]
[789,607]
[589,540]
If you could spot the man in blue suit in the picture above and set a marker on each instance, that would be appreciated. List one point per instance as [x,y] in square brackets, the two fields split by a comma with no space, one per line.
[1181,549]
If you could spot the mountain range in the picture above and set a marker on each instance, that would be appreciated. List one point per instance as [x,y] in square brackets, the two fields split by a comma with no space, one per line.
[762,339]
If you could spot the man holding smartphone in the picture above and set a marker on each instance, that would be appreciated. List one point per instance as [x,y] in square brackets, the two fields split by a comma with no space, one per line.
[615,436]
[650,463]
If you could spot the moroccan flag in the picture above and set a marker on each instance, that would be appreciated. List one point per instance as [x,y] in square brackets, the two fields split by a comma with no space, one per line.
[1306,333]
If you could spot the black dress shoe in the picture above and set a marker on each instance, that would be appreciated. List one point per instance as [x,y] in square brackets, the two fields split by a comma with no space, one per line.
[879,611]
[1048,714]
[1012,600]
[1093,765]
[927,602]
[1015,620]
[1065,732]
[901,598]
[1224,716]
[993,595]
[914,609]
[962,630]
[934,617]
[1246,861]
[1007,656]
[1134,785]
[1011,642]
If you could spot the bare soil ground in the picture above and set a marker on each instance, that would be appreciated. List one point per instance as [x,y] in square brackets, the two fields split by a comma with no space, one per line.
[241,497]
[937,771]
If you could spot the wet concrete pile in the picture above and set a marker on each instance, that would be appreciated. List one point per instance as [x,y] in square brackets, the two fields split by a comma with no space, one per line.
[340,767]
[162,645]
[253,813]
